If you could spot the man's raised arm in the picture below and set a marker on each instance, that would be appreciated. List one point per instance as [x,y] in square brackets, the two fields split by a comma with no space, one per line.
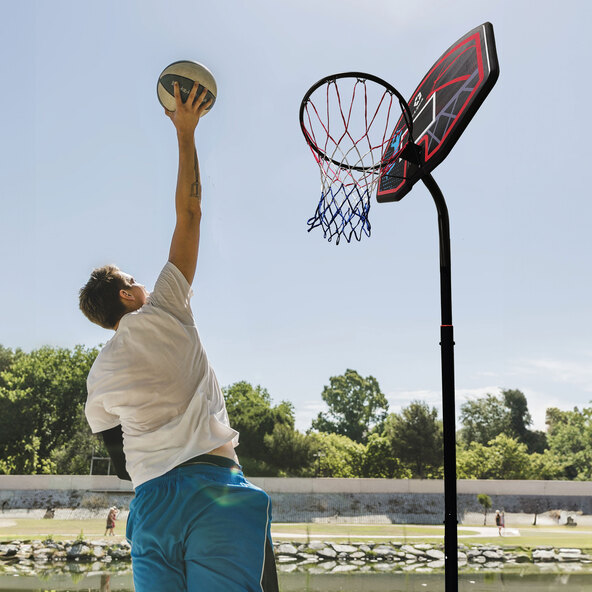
[185,242]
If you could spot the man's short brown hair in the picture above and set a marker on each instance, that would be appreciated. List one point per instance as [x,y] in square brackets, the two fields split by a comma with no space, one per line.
[99,298]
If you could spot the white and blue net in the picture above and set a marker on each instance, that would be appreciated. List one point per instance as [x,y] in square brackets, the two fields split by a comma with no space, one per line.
[348,124]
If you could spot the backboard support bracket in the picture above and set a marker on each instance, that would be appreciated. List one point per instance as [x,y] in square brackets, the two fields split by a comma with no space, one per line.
[412,153]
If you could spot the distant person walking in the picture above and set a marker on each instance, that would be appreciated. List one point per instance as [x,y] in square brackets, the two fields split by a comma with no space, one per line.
[499,522]
[111,517]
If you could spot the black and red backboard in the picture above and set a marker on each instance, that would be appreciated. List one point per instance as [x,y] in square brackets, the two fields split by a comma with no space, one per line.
[442,106]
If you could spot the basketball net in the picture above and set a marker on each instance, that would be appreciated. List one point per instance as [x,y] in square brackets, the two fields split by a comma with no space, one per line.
[348,122]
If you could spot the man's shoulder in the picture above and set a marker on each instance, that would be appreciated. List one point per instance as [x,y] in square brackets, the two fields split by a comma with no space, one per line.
[111,352]
[172,292]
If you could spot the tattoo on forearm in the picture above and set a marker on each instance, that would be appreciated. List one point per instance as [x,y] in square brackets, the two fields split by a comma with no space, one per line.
[196,185]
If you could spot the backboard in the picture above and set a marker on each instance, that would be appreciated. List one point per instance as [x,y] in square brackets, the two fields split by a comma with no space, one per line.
[442,106]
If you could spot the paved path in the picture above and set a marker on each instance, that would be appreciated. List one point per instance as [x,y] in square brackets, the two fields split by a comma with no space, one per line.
[484,531]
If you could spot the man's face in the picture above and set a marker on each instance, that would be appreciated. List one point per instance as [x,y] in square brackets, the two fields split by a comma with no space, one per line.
[138,291]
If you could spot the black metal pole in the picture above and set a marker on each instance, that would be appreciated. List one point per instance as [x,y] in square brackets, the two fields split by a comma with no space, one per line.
[448,406]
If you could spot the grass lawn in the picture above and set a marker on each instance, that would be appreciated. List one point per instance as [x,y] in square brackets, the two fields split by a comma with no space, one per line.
[558,536]
[22,528]
[532,536]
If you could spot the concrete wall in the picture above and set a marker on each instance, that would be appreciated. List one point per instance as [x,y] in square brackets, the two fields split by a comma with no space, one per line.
[110,483]
[319,500]
[464,486]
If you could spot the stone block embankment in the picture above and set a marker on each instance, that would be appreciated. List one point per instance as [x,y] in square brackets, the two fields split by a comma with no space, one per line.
[328,557]
[34,558]
[79,556]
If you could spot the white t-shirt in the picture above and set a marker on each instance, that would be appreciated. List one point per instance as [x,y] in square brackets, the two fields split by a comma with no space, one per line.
[153,378]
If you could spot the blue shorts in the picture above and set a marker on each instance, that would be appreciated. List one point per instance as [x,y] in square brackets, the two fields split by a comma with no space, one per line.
[201,527]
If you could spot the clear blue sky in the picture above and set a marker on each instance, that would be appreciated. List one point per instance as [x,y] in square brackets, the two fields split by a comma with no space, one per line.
[88,166]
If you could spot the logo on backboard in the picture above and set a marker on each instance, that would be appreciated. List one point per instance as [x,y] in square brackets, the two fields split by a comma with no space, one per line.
[417,102]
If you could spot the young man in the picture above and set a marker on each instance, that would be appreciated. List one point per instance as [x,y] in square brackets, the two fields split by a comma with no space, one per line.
[195,523]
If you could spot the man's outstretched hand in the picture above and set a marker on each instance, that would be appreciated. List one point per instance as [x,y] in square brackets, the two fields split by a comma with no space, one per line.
[187,114]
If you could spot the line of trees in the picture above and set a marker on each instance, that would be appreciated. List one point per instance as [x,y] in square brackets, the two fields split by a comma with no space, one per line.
[43,429]
[42,423]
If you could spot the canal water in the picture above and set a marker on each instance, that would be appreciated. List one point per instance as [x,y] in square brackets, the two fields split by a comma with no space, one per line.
[307,582]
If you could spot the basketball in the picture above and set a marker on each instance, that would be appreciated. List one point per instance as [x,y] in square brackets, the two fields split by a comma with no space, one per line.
[185,72]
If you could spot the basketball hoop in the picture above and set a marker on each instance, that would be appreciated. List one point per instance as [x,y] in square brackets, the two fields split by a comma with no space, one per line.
[354,153]
[348,120]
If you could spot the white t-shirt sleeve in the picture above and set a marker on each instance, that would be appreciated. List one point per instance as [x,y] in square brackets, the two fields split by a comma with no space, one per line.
[102,380]
[173,293]
[99,419]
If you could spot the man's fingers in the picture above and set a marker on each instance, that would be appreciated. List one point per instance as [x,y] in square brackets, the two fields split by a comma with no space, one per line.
[204,106]
[199,100]
[192,94]
[188,113]
[203,94]
[177,93]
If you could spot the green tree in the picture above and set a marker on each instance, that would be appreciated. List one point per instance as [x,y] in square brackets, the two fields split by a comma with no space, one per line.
[19,443]
[484,418]
[547,465]
[41,396]
[7,356]
[469,461]
[508,459]
[25,460]
[334,456]
[518,420]
[518,416]
[502,458]
[379,461]
[251,412]
[289,450]
[570,439]
[415,437]
[485,502]
[73,457]
[356,406]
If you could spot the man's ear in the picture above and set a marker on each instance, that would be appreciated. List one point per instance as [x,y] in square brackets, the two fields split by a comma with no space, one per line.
[125,295]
